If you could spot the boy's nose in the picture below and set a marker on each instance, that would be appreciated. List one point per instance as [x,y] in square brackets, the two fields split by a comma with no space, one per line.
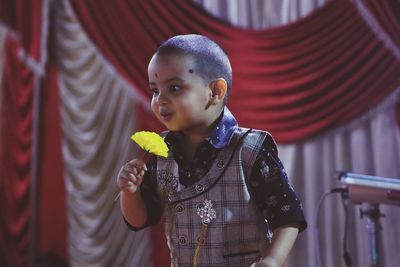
[161,98]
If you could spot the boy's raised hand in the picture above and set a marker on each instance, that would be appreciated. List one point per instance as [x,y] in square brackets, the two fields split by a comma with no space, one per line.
[130,176]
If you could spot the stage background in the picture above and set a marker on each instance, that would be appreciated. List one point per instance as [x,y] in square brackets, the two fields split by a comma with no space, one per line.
[322,77]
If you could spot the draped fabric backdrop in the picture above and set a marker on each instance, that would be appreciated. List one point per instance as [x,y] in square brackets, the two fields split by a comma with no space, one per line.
[322,77]
[98,118]
[16,135]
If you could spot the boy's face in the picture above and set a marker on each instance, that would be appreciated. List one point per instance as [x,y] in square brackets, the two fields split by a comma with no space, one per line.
[181,98]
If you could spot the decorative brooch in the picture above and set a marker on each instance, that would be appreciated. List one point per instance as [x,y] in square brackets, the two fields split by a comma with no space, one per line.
[207,214]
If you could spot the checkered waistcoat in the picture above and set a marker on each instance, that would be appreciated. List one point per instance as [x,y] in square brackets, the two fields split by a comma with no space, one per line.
[238,231]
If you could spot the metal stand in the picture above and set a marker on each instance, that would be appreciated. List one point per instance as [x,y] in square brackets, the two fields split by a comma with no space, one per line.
[373,227]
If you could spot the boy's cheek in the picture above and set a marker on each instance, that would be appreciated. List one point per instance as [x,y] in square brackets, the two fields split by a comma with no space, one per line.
[153,108]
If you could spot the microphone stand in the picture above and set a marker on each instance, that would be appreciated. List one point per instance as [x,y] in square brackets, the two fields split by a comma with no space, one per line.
[372,191]
[373,228]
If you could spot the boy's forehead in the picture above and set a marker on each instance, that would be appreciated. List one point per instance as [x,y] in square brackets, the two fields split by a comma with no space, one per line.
[170,62]
[172,58]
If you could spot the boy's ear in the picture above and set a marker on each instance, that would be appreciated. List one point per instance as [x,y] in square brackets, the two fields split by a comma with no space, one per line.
[218,91]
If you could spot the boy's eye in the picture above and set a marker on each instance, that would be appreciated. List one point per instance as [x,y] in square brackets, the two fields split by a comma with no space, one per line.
[155,91]
[174,88]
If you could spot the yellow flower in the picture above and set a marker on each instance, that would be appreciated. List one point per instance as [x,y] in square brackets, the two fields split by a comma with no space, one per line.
[151,142]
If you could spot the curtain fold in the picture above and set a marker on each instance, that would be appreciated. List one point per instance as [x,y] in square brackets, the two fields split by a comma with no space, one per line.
[52,209]
[259,14]
[97,113]
[28,21]
[26,25]
[384,19]
[370,145]
[15,159]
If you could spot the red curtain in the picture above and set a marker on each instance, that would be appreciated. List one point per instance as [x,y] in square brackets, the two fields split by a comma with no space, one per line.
[294,81]
[16,167]
[387,13]
[15,159]
[25,18]
[52,217]
[24,62]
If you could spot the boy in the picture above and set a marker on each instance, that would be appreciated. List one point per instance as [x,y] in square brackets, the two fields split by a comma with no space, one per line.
[222,187]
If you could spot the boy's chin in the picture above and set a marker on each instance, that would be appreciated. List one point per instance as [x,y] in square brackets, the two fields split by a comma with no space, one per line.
[172,128]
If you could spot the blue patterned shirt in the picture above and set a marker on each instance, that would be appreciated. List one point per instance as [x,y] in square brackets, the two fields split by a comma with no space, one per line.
[268,182]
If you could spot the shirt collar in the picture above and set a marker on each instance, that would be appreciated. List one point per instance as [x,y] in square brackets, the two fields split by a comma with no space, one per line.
[222,133]
[219,137]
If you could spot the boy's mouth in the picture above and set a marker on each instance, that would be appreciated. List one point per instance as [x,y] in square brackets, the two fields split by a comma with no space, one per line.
[165,115]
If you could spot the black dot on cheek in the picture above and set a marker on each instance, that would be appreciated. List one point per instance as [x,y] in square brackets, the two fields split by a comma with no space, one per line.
[156,75]
[191,71]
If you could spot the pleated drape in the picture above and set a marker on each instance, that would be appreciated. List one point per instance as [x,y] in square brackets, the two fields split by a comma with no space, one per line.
[97,113]
[15,159]
[24,60]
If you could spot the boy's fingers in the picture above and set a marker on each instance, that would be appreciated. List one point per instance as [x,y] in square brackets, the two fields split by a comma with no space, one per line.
[136,162]
[135,166]
[124,176]
[131,175]
[127,185]
[123,181]
[129,168]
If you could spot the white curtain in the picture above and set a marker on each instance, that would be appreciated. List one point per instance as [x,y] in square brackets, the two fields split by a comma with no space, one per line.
[259,14]
[98,118]
[368,145]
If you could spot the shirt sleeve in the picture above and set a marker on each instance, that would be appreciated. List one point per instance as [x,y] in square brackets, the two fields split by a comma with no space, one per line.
[150,196]
[274,196]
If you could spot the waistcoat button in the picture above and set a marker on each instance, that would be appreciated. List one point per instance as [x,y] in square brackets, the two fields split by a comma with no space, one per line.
[199,188]
[182,240]
[179,208]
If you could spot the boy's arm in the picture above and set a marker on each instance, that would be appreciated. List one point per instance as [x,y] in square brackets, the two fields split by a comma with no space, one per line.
[129,180]
[282,242]
[133,208]
[278,202]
